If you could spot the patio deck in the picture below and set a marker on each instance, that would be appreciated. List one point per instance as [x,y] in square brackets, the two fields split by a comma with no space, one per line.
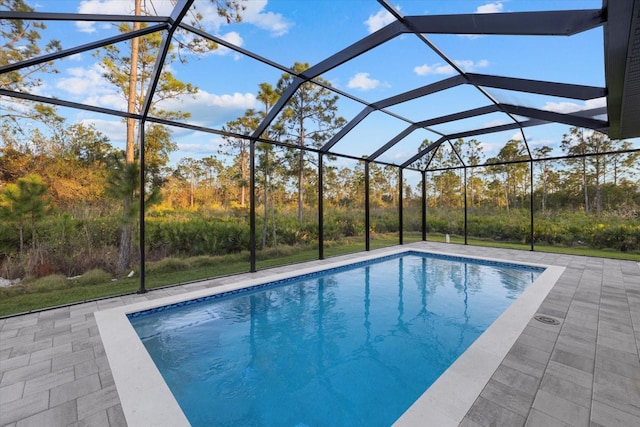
[583,372]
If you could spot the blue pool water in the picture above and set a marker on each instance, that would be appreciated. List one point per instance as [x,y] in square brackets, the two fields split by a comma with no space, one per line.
[346,347]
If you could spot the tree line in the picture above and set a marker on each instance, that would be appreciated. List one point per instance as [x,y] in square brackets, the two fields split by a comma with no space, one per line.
[69,197]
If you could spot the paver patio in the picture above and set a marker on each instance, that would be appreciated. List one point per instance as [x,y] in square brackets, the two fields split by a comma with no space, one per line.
[584,371]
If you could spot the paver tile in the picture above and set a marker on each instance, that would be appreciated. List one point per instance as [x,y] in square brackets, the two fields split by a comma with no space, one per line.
[97,401]
[561,409]
[62,415]
[99,419]
[14,363]
[116,416]
[73,390]
[23,408]
[11,392]
[26,372]
[605,415]
[50,352]
[617,391]
[487,413]
[517,379]
[568,373]
[508,397]
[540,419]
[566,389]
[49,381]
[575,360]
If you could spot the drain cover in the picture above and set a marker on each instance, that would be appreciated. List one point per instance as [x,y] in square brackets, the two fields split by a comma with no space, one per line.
[547,320]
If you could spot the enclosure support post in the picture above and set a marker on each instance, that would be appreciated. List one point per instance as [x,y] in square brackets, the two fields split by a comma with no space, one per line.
[465,205]
[320,208]
[142,289]
[367,235]
[252,206]
[531,199]
[424,205]
[400,202]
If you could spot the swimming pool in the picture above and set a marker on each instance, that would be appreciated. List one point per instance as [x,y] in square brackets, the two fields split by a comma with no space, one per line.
[385,324]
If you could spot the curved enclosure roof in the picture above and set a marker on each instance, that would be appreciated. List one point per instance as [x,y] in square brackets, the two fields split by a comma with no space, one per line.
[402,73]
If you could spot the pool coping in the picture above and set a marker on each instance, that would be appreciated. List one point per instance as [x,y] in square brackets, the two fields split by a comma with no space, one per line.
[150,402]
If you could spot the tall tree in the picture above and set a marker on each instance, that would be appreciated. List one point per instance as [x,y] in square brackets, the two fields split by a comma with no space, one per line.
[309,119]
[585,145]
[131,72]
[238,147]
[268,96]
[471,153]
[21,40]
[24,202]
[544,168]
[514,174]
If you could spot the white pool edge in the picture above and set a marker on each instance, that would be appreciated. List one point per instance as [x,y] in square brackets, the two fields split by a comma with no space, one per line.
[147,401]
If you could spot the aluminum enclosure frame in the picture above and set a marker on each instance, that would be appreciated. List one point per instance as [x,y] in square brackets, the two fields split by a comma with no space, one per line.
[620,19]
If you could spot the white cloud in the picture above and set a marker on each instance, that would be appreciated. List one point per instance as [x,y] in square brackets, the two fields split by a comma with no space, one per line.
[492,123]
[209,109]
[362,81]
[254,14]
[379,20]
[466,65]
[490,8]
[275,23]
[232,37]
[115,7]
[200,149]
[517,136]
[83,80]
[571,107]
[89,85]
[115,130]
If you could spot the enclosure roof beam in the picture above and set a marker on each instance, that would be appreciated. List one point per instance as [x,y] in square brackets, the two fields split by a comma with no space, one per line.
[62,103]
[420,92]
[356,49]
[346,129]
[539,87]
[86,17]
[392,142]
[424,152]
[434,121]
[622,69]
[397,99]
[83,48]
[510,126]
[459,116]
[552,116]
[179,11]
[546,23]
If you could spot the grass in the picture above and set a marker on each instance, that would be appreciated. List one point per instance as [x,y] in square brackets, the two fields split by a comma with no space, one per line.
[540,247]
[52,291]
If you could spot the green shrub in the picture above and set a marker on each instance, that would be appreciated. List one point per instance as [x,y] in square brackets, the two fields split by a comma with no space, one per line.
[167,265]
[95,276]
[49,283]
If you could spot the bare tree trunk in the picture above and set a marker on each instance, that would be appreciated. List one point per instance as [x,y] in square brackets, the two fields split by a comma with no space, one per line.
[243,173]
[265,215]
[598,192]
[584,186]
[273,221]
[300,185]
[126,233]
[544,194]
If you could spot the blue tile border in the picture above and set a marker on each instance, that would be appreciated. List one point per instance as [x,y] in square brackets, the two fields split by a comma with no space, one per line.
[351,266]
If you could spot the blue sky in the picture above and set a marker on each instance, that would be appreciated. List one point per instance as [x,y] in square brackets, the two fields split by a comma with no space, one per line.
[286,31]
